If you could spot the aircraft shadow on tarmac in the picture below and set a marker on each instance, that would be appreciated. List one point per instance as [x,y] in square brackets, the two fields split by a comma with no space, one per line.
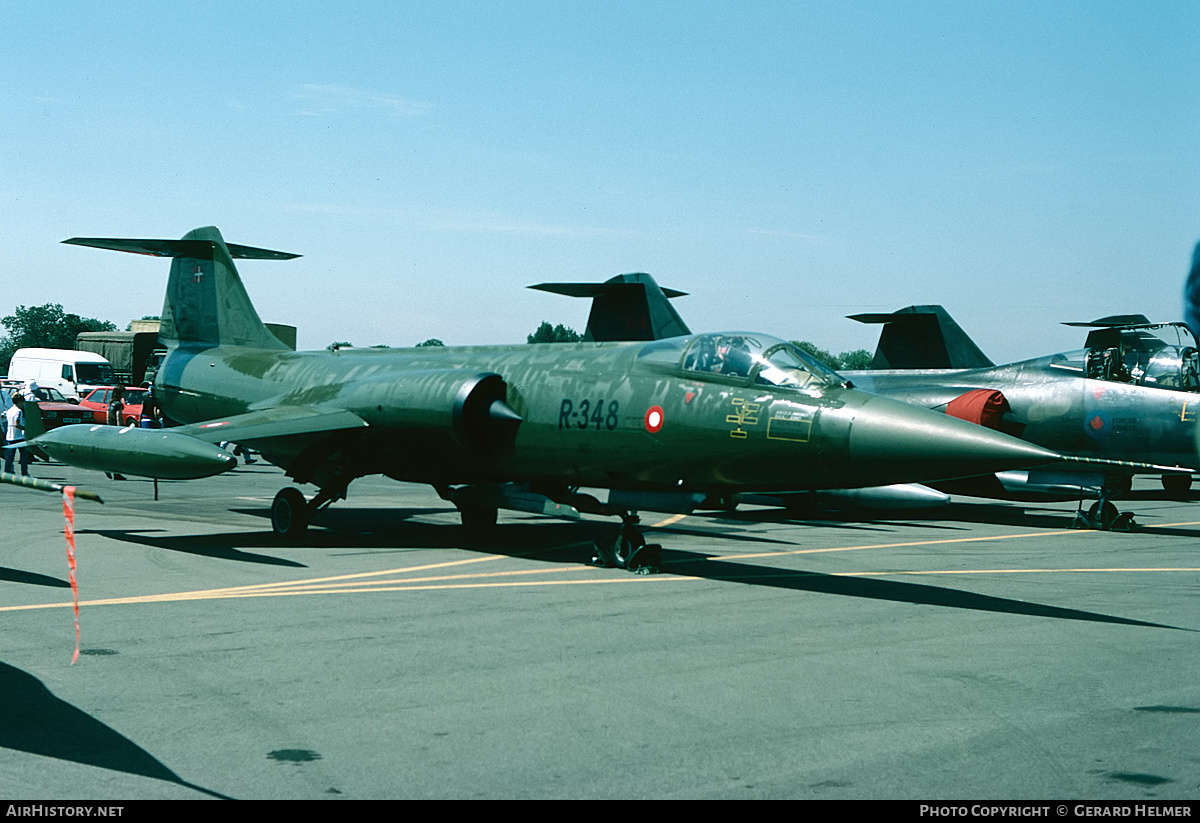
[33,720]
[698,565]
[32,578]
[393,529]
[215,546]
[1048,516]
[996,514]
[572,542]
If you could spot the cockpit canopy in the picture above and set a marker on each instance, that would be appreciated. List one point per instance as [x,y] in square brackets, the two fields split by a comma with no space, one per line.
[1140,355]
[746,357]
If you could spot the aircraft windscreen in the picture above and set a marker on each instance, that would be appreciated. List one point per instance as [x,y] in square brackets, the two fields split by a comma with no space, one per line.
[770,360]
[786,365]
[1171,368]
[1071,360]
[663,351]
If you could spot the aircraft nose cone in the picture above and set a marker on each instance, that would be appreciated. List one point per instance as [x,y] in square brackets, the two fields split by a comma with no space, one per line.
[919,444]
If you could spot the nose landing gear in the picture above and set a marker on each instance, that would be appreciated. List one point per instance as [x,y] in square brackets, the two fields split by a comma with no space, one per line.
[1104,515]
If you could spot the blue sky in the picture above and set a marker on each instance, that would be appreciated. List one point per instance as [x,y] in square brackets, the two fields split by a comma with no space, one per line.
[786,163]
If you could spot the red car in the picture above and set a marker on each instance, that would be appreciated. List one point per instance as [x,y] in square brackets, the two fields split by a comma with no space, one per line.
[57,411]
[97,400]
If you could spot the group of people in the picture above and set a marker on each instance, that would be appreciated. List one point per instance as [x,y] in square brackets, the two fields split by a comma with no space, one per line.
[14,425]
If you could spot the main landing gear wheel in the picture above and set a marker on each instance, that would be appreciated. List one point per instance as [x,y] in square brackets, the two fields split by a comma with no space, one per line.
[289,513]
[1105,516]
[629,551]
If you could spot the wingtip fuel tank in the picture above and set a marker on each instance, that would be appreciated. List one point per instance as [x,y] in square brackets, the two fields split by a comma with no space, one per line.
[157,453]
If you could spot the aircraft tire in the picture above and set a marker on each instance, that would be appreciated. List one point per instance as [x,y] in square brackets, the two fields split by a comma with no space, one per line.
[1176,483]
[1104,515]
[289,512]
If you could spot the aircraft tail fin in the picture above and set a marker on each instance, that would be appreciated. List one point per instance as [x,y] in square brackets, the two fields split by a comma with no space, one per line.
[206,302]
[923,337]
[626,307]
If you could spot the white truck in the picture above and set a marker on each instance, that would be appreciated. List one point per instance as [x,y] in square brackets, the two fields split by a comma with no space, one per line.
[73,373]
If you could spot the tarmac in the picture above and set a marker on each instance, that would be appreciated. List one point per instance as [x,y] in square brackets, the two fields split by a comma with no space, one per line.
[980,651]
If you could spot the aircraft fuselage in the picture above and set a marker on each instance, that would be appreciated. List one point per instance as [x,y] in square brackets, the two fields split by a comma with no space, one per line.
[591,414]
[1061,410]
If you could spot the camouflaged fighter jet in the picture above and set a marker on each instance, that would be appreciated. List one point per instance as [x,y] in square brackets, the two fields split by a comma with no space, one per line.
[1131,395]
[632,307]
[668,425]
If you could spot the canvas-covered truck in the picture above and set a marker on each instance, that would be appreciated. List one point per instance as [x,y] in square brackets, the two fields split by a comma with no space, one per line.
[72,373]
[134,355]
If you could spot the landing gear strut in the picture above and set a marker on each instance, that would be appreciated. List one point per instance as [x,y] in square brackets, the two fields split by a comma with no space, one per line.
[1104,516]
[478,521]
[629,551]
[290,511]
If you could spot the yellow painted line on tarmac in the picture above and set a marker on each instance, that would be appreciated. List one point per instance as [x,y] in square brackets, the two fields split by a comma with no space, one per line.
[359,575]
[301,585]
[944,541]
[1060,533]
[1014,571]
[360,582]
[251,591]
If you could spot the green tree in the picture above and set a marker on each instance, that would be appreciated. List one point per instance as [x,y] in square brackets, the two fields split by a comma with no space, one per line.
[828,358]
[846,361]
[433,341]
[46,327]
[857,359]
[340,344]
[554,334]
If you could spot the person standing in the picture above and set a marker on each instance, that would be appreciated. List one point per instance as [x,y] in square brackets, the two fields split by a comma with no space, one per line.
[115,407]
[5,405]
[14,420]
[149,418]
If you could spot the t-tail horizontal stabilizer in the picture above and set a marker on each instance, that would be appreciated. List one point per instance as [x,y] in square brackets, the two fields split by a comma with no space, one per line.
[923,337]
[626,307]
[178,248]
[206,303]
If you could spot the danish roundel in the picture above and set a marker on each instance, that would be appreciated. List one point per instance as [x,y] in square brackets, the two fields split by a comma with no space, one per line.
[653,419]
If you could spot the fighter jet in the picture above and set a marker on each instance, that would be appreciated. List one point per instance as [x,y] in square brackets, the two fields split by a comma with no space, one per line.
[666,425]
[1130,395]
[631,307]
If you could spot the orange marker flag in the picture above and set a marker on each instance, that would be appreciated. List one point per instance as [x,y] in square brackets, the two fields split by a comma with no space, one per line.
[69,513]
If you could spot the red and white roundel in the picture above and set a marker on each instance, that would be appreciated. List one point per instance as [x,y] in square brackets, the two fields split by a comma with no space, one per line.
[653,419]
